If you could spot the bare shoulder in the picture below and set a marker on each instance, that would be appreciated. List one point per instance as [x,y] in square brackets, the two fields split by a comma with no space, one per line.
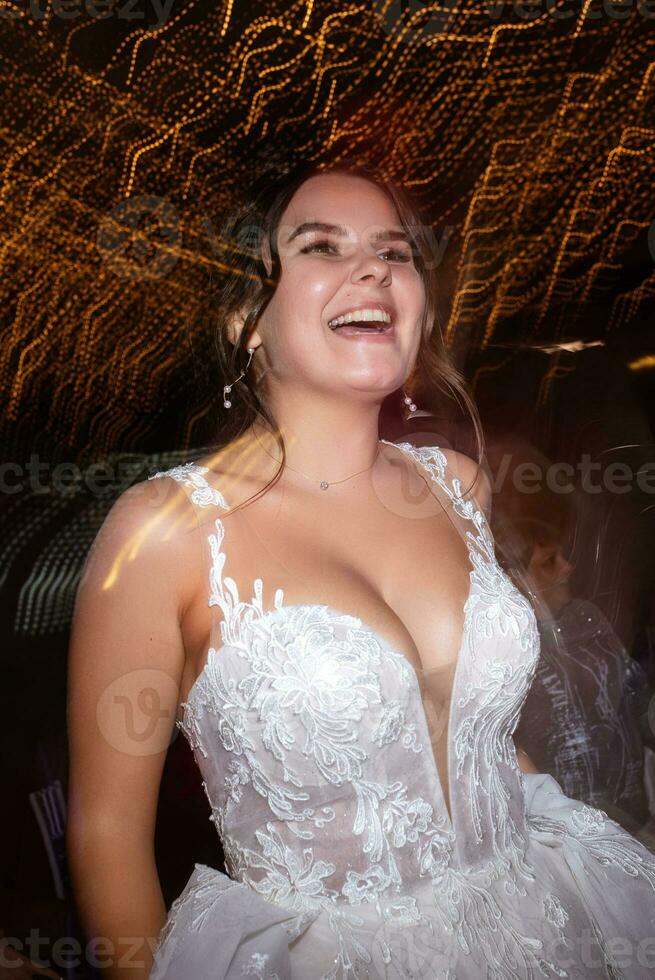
[158,511]
[239,470]
[473,478]
[147,533]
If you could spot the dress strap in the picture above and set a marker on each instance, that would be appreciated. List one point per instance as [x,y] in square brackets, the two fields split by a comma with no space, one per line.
[192,477]
[202,495]
[473,524]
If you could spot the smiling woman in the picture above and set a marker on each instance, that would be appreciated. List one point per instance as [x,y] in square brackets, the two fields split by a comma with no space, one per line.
[267,234]
[322,613]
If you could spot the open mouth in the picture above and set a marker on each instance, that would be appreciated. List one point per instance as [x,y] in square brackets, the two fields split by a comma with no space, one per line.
[362,322]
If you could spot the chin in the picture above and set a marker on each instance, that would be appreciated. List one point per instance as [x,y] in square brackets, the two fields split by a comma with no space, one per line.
[375,380]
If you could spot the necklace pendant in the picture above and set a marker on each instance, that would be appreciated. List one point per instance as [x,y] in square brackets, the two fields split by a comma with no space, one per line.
[324,484]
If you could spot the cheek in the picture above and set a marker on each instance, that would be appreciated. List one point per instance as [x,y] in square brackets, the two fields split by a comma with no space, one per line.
[294,315]
[292,331]
[414,300]
[308,282]
[302,295]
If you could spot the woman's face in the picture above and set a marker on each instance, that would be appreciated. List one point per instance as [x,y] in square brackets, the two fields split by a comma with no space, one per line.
[548,574]
[329,271]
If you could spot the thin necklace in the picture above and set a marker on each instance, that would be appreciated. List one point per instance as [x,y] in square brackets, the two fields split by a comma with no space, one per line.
[323,484]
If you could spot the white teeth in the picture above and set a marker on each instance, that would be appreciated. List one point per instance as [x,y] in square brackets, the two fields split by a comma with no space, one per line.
[361,316]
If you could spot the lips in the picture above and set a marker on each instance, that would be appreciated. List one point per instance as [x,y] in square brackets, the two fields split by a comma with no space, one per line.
[365,332]
[367,304]
[352,329]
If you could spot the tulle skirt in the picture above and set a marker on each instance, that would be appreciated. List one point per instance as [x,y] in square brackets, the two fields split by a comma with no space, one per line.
[582,907]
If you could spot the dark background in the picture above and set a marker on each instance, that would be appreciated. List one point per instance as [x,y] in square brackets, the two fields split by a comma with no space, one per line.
[528,141]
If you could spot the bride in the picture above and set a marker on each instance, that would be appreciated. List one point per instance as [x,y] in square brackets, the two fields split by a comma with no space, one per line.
[321,612]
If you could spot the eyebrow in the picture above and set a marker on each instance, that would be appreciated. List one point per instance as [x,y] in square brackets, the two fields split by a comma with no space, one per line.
[388,235]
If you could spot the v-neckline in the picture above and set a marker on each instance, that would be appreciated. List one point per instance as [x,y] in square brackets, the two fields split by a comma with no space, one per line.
[279,604]
[336,615]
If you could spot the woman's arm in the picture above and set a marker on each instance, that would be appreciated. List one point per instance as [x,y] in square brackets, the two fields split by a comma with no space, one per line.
[125,666]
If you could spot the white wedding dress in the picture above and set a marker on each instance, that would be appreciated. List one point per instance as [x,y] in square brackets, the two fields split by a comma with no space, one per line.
[344,860]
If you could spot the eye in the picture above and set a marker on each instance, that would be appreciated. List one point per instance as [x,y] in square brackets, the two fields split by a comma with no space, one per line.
[398,256]
[313,246]
[395,255]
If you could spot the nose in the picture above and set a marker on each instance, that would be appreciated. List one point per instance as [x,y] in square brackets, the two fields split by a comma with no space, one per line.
[370,266]
[565,568]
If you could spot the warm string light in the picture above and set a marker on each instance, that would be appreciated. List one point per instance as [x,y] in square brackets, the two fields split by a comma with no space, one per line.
[536,178]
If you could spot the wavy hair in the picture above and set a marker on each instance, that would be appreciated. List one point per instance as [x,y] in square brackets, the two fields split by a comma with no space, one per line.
[247,289]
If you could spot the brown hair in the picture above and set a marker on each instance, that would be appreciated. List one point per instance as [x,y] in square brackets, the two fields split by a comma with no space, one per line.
[248,289]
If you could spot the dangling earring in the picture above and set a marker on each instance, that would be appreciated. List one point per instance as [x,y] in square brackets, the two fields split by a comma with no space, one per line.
[228,388]
[411,407]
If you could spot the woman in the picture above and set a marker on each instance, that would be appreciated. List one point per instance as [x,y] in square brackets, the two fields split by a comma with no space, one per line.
[322,614]
[585,720]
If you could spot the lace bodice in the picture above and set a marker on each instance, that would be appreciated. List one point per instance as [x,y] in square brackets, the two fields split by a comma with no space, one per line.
[314,745]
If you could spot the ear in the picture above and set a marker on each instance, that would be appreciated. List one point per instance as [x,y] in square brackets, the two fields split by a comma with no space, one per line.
[266,255]
[237,320]
[235,326]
